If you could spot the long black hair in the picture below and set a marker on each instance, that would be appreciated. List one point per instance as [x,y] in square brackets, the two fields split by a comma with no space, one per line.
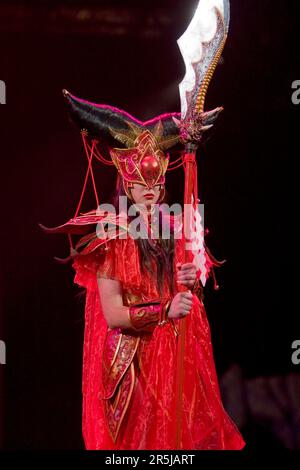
[162,251]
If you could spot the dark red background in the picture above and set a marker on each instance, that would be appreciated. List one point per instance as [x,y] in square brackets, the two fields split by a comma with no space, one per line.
[247,178]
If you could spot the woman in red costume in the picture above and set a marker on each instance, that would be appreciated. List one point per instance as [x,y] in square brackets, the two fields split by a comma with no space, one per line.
[135,300]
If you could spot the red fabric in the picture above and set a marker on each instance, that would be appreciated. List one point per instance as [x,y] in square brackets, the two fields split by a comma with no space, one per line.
[150,420]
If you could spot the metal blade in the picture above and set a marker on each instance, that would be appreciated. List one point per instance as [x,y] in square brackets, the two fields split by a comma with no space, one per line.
[201,46]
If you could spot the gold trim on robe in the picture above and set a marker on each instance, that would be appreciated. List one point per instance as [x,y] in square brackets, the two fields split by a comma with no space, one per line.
[118,353]
[118,373]
[116,407]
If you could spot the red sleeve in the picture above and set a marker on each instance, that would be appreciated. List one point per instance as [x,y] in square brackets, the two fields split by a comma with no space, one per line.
[117,260]
[85,269]
[87,265]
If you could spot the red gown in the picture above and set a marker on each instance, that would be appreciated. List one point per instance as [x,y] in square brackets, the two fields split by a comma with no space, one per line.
[129,379]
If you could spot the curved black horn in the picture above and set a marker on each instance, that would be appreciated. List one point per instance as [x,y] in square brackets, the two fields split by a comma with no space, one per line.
[97,119]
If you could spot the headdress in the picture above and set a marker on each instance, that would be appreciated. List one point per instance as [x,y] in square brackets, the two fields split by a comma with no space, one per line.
[142,159]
